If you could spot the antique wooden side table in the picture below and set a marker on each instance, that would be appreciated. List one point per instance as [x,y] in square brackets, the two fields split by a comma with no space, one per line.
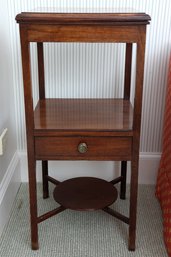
[83,129]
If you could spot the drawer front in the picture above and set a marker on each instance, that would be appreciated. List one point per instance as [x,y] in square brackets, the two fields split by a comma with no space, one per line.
[83,148]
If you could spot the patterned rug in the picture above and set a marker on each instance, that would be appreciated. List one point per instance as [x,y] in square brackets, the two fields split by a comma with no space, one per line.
[84,234]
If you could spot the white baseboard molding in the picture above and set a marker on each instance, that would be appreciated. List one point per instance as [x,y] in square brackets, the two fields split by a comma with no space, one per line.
[148,167]
[61,170]
[8,190]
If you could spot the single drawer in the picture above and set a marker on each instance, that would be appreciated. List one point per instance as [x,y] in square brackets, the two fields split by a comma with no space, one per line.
[83,148]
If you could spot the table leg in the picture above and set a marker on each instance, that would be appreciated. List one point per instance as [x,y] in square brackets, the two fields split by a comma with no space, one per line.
[33,203]
[133,203]
[123,181]
[45,180]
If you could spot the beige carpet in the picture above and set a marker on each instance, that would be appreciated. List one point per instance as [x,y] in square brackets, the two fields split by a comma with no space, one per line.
[84,234]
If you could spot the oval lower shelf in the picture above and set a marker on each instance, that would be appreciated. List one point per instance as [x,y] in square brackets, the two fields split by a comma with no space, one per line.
[85,193]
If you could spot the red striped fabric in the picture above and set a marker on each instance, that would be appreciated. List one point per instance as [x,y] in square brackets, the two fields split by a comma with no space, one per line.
[163,186]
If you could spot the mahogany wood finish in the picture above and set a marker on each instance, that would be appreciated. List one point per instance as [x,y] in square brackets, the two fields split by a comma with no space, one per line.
[83,129]
[127,87]
[52,180]
[44,179]
[83,18]
[85,194]
[116,215]
[123,182]
[83,115]
[42,96]
[98,148]
[50,214]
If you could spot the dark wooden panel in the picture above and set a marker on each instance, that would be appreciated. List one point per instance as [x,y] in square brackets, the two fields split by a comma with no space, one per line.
[84,33]
[98,148]
[85,193]
[128,66]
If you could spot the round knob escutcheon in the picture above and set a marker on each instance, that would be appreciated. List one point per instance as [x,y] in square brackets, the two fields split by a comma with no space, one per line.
[82,148]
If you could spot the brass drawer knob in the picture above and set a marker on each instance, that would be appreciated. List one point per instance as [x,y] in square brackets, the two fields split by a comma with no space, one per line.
[82,148]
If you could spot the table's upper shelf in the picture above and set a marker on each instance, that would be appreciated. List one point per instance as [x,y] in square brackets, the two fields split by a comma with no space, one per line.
[83,18]
[83,115]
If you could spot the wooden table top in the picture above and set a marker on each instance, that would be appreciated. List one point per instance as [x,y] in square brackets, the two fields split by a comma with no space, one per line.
[116,18]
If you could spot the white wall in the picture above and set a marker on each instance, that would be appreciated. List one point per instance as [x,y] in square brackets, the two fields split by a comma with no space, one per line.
[7,110]
[9,162]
